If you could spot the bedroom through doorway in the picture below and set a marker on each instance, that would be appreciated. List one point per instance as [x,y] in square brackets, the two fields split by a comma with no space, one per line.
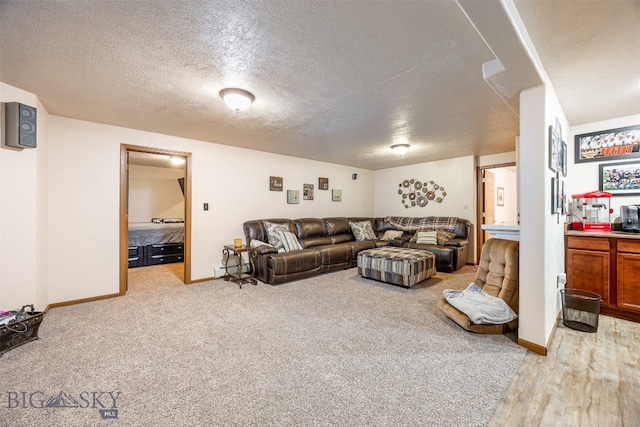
[497,199]
[154,217]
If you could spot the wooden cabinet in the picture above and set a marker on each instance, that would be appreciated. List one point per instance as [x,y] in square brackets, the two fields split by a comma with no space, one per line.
[609,265]
[628,270]
[588,265]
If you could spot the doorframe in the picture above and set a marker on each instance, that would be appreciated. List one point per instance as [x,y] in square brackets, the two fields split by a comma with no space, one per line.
[124,200]
[480,197]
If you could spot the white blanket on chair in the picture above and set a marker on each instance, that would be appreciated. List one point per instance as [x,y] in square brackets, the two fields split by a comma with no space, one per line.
[479,306]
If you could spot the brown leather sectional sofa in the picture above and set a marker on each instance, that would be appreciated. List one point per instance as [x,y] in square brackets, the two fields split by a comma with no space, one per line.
[328,245]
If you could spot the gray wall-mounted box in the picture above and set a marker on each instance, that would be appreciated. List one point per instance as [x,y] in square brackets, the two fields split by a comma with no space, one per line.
[20,125]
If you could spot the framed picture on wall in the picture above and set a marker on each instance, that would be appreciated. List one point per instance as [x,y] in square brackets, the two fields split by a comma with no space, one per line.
[611,144]
[307,191]
[275,183]
[336,195]
[323,183]
[620,179]
[554,142]
[554,195]
[500,196]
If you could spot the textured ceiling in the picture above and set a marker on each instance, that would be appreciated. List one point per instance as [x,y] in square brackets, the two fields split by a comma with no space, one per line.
[334,81]
[591,52]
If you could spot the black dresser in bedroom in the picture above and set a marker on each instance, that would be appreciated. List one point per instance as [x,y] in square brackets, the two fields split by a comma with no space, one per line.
[164,253]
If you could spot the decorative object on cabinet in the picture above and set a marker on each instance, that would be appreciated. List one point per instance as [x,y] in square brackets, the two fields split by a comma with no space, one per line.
[594,211]
[307,191]
[500,196]
[612,144]
[553,149]
[336,195]
[293,196]
[323,183]
[415,192]
[620,179]
[275,183]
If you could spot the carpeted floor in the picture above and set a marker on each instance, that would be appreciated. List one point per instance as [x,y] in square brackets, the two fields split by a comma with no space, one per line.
[336,349]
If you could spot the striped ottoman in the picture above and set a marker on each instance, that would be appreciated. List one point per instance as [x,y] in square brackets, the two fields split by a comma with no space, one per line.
[399,266]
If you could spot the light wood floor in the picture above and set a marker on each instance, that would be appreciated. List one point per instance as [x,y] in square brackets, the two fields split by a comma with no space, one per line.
[585,380]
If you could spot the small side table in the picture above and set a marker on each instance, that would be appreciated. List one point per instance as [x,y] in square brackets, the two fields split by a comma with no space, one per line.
[239,276]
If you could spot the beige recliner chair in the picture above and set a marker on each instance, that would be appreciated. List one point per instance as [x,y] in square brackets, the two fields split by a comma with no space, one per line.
[497,275]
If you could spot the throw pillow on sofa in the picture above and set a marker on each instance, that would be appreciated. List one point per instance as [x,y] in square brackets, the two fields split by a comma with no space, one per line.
[427,238]
[445,236]
[289,241]
[392,234]
[362,231]
[272,229]
[421,230]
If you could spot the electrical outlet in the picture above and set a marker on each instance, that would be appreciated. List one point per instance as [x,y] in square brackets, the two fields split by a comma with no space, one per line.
[206,206]
[562,280]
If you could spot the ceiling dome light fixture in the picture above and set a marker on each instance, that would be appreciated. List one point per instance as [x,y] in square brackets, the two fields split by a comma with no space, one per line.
[237,99]
[177,160]
[400,149]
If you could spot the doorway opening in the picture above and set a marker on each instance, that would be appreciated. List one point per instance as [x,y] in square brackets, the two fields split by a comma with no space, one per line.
[497,199]
[138,205]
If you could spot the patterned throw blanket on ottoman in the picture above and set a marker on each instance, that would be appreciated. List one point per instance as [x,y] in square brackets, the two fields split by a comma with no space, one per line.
[407,223]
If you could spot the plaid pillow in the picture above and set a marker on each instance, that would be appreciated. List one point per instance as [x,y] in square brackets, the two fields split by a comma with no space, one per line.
[444,236]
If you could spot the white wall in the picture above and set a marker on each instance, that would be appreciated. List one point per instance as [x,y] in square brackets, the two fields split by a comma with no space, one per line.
[84,197]
[583,177]
[23,218]
[541,233]
[155,192]
[457,176]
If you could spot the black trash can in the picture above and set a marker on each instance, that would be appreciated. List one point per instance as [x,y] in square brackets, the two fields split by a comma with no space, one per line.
[580,309]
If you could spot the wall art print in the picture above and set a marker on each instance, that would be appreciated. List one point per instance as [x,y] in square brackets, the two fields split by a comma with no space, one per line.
[620,179]
[612,144]
[275,183]
[307,191]
[323,183]
[415,192]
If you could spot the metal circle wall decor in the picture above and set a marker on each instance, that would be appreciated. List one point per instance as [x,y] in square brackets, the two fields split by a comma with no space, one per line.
[415,192]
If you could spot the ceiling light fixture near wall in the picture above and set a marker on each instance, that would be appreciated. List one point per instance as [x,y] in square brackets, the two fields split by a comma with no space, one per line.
[177,160]
[400,149]
[237,99]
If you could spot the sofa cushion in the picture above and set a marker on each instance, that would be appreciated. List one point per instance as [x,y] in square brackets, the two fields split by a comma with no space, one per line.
[336,226]
[362,231]
[272,229]
[310,227]
[289,241]
[315,241]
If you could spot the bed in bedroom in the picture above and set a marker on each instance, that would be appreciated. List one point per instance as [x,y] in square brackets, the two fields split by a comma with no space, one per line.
[153,243]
